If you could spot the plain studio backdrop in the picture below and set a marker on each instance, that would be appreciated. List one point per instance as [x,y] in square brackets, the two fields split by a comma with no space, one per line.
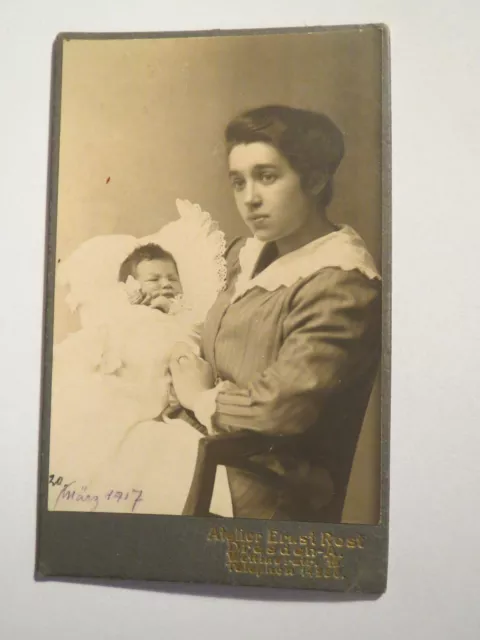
[142,124]
[434,570]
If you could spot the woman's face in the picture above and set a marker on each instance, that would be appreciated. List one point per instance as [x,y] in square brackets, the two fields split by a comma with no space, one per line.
[268,192]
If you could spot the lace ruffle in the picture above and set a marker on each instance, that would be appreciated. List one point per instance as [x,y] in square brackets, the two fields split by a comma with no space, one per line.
[343,249]
[194,240]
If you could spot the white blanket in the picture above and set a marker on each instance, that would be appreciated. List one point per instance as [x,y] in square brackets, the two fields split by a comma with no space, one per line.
[148,471]
[110,382]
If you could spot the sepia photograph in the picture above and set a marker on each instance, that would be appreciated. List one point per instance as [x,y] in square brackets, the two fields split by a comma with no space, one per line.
[217,284]
[240,329]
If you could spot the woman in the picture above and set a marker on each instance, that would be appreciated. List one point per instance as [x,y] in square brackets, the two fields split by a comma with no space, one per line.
[294,340]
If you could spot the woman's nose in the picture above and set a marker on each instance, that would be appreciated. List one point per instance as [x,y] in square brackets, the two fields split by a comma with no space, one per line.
[251,195]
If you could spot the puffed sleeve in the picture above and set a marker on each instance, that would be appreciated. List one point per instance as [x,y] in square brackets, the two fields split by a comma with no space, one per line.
[331,333]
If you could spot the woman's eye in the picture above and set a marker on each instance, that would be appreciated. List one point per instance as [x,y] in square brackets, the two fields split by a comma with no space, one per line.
[268,178]
[238,184]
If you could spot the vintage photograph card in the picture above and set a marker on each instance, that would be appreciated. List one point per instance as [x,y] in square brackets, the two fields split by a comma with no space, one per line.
[216,357]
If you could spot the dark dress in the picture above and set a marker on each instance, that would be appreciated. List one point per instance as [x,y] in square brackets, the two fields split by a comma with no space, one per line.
[301,358]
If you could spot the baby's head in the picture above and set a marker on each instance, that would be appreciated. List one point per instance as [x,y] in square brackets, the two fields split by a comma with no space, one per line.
[154,268]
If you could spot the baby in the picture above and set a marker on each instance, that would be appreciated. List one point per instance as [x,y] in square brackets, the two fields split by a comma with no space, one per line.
[111,383]
[151,277]
[122,353]
[113,373]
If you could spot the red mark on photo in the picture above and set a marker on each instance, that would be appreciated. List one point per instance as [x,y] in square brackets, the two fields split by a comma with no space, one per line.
[107,180]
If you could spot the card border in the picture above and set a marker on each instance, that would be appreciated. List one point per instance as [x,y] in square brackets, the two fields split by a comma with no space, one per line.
[83,545]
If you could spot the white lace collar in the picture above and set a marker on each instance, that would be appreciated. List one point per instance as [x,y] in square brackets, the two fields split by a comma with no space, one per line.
[343,249]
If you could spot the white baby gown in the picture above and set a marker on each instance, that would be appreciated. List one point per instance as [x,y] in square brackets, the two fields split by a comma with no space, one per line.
[109,449]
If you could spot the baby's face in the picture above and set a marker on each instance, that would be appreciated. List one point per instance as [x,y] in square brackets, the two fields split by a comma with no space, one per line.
[159,277]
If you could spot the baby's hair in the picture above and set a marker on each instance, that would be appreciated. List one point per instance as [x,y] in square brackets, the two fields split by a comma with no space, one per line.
[149,251]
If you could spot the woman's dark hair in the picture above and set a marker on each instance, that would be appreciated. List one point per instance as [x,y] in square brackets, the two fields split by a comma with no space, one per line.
[310,141]
[149,251]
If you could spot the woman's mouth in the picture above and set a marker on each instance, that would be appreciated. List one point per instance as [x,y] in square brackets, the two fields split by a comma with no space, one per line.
[258,220]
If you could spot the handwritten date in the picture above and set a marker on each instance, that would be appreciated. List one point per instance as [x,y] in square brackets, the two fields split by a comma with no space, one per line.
[72,492]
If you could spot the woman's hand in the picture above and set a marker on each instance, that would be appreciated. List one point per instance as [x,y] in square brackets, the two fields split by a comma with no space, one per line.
[190,375]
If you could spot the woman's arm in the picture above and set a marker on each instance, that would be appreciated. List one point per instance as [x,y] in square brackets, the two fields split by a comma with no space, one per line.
[332,333]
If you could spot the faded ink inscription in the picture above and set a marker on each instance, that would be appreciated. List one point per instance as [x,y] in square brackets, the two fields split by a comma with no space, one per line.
[71,491]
